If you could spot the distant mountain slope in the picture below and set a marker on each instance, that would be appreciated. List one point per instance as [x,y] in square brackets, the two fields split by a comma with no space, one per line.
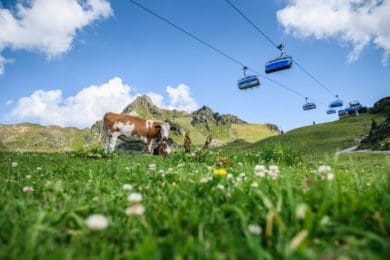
[223,128]
[34,137]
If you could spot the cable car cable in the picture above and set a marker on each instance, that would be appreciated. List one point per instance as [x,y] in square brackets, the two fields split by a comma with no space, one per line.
[277,46]
[214,48]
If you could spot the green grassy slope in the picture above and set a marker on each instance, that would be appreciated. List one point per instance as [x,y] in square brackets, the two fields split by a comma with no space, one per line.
[35,137]
[318,139]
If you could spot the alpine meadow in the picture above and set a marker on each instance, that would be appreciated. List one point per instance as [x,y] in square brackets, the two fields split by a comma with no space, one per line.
[224,129]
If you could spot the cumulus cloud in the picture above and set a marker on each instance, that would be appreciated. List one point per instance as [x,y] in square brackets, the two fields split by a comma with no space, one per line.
[48,26]
[181,97]
[91,103]
[357,22]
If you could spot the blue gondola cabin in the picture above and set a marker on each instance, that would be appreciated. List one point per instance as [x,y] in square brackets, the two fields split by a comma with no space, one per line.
[281,63]
[248,82]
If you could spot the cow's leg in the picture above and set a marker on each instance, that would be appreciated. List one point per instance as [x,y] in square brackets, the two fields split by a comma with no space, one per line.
[111,141]
[149,145]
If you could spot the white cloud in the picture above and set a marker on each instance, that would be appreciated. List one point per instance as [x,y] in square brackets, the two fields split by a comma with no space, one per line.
[48,26]
[91,103]
[181,98]
[357,22]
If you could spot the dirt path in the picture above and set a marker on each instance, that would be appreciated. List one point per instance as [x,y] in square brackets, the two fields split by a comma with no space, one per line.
[353,150]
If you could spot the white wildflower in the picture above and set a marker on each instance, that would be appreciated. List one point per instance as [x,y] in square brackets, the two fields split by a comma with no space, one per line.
[230,176]
[28,189]
[260,170]
[28,176]
[330,176]
[273,171]
[255,229]
[254,185]
[220,186]
[203,180]
[242,175]
[152,167]
[135,197]
[300,211]
[97,222]
[325,220]
[127,186]
[136,209]
[14,164]
[39,168]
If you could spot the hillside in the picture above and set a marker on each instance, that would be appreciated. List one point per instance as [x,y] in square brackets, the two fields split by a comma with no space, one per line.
[35,137]
[224,128]
[320,138]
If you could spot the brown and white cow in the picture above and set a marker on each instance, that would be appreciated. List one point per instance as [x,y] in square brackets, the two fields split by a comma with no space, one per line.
[149,131]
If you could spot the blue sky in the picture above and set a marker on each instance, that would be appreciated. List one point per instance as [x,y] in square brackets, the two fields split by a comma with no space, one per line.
[69,72]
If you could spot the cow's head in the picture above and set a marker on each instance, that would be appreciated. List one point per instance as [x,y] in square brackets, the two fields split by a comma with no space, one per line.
[164,130]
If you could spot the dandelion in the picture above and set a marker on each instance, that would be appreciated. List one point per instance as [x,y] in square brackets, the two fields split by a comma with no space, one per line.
[260,170]
[254,185]
[135,197]
[255,229]
[14,164]
[28,189]
[152,167]
[97,222]
[136,210]
[28,176]
[220,172]
[300,211]
[273,171]
[127,186]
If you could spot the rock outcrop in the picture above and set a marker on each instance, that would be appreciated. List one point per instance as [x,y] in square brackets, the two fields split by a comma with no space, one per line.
[205,115]
[378,137]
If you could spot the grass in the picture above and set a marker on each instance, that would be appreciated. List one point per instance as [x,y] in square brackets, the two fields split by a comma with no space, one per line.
[191,213]
[319,139]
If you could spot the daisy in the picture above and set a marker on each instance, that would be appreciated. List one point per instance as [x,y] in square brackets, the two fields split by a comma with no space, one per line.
[260,170]
[127,186]
[273,171]
[135,197]
[152,167]
[97,222]
[28,189]
[136,210]
[254,229]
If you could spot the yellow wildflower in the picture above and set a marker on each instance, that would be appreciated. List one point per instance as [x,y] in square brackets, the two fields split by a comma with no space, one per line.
[220,172]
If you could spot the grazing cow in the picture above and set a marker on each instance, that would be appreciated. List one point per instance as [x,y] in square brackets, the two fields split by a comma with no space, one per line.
[149,131]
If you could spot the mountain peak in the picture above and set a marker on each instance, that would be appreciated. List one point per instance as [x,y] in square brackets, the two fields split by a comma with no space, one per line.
[143,101]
